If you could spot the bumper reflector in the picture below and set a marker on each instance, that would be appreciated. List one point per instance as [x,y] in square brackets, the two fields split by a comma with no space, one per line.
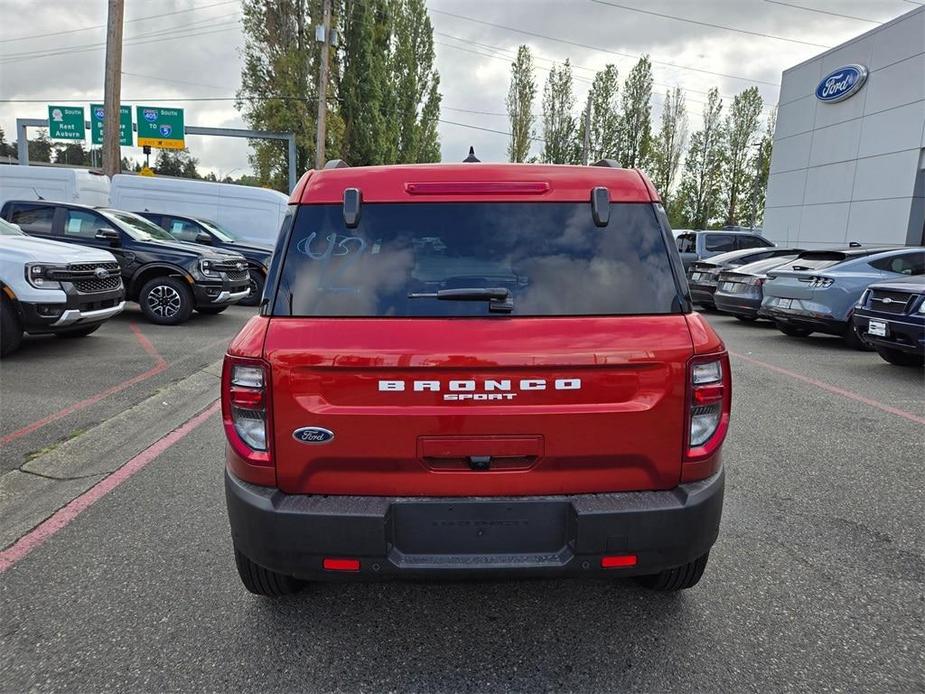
[332,564]
[618,561]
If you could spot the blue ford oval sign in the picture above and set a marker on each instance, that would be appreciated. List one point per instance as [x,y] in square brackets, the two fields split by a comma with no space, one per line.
[839,84]
[313,435]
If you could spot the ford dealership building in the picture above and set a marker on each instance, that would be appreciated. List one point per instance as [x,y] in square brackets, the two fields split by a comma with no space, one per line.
[849,149]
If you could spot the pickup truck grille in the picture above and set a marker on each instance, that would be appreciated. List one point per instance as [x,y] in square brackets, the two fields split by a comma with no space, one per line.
[85,279]
[231,270]
[890,302]
[236,275]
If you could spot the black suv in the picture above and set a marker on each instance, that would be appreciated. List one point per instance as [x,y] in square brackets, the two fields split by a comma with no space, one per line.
[209,233]
[166,277]
[890,317]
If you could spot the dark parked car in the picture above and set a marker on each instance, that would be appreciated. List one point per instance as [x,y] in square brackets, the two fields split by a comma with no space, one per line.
[890,317]
[209,233]
[739,290]
[698,245]
[702,275]
[166,277]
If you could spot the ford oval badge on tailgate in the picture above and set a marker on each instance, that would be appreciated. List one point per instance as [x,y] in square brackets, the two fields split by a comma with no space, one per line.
[313,435]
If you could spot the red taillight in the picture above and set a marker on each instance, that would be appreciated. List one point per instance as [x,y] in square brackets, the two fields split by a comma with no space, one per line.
[333,564]
[245,411]
[709,401]
[618,561]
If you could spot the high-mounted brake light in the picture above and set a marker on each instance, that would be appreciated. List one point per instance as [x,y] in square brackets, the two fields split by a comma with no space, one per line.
[477,188]
[709,401]
[245,409]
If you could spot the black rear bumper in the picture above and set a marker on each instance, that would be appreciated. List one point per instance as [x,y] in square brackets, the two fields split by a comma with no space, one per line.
[462,537]
[738,306]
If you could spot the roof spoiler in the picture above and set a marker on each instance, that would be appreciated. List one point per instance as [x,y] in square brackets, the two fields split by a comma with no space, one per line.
[336,164]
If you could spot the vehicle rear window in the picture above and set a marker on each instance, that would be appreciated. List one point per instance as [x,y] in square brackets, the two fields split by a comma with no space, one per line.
[550,257]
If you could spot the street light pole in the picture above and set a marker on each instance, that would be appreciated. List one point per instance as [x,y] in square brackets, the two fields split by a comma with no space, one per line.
[323,87]
[112,89]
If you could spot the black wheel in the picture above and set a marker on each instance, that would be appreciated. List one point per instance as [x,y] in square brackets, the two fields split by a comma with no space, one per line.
[747,319]
[10,329]
[166,301]
[261,581]
[900,358]
[79,332]
[678,578]
[256,286]
[792,331]
[211,310]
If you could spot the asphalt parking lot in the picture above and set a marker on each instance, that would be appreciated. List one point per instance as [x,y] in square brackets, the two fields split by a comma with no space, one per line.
[815,584]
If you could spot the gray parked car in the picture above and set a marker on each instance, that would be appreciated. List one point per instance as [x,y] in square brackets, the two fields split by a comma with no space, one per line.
[702,275]
[697,245]
[817,292]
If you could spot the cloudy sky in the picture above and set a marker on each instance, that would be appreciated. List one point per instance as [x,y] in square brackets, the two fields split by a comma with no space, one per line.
[188,52]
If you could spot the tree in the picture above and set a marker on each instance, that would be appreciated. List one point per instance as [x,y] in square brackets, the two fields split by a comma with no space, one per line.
[7,149]
[365,88]
[699,194]
[416,84]
[762,169]
[177,163]
[604,134]
[635,119]
[73,154]
[519,104]
[668,146]
[558,122]
[279,82]
[40,147]
[741,127]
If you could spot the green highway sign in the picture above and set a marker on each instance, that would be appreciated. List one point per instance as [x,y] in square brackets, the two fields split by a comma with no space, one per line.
[160,127]
[96,125]
[66,122]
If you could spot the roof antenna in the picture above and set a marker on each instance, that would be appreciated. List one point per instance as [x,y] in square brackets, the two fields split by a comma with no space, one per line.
[39,197]
[471,158]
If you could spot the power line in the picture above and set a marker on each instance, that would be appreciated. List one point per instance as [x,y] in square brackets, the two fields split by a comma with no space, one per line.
[167,79]
[103,26]
[214,30]
[708,24]
[599,48]
[488,130]
[817,11]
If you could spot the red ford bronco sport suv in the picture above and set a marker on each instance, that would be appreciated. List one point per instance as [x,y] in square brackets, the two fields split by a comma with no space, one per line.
[474,370]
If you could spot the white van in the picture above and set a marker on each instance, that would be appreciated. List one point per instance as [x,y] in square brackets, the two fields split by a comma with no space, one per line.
[251,214]
[53,183]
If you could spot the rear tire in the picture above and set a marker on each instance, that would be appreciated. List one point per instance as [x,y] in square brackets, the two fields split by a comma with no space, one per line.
[261,581]
[256,285]
[166,301]
[10,329]
[210,310]
[79,332]
[900,358]
[678,578]
[792,331]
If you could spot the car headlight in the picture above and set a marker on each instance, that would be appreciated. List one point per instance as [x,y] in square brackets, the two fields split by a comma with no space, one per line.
[206,268]
[40,275]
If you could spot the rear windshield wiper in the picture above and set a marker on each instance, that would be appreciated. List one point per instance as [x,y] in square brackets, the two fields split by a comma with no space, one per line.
[498,298]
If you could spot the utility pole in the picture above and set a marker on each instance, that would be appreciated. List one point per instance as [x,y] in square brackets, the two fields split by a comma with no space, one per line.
[112,89]
[323,85]
[586,146]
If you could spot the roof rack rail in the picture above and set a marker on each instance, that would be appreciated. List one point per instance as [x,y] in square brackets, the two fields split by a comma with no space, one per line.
[610,163]
[336,164]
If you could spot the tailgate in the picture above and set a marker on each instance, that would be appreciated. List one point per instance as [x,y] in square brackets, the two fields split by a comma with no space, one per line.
[470,407]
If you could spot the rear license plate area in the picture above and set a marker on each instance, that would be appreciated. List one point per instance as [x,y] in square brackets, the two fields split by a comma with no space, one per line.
[479,528]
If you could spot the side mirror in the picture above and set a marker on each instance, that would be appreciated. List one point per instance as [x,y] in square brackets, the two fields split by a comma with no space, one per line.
[203,237]
[110,235]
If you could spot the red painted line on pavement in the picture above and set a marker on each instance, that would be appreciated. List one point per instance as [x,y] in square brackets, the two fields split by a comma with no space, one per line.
[159,366]
[64,515]
[833,389]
